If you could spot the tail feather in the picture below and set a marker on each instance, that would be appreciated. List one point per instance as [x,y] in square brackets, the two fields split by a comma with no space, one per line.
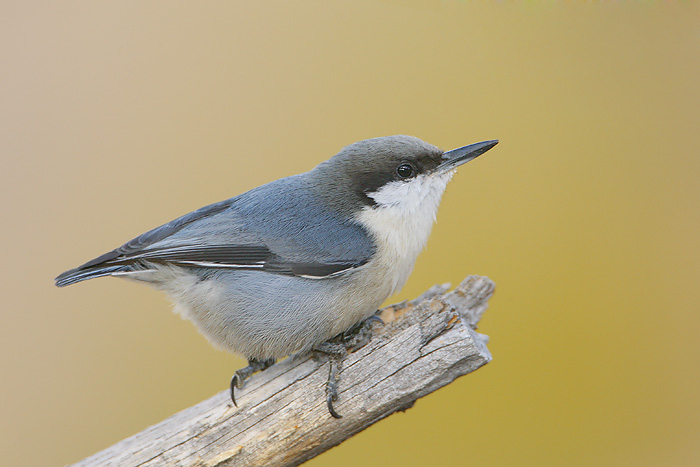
[79,274]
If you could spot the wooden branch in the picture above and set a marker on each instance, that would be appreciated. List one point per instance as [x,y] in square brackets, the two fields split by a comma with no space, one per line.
[282,417]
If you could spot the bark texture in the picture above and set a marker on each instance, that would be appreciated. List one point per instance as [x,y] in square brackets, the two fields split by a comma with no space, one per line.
[282,419]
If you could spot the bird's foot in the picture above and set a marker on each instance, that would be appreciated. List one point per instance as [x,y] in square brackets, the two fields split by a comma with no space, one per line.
[360,334]
[239,378]
[336,353]
[337,349]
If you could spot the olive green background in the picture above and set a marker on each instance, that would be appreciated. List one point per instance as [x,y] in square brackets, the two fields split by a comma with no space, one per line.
[117,117]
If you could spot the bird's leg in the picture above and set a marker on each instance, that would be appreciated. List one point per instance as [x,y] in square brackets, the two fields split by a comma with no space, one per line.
[239,378]
[337,349]
[336,354]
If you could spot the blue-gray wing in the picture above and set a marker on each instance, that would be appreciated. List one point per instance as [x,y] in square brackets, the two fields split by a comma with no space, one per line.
[276,228]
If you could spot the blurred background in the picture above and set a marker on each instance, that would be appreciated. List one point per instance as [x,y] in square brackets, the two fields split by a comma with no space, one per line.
[116,118]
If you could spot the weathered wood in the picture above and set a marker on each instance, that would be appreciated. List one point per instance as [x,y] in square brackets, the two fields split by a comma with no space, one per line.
[282,417]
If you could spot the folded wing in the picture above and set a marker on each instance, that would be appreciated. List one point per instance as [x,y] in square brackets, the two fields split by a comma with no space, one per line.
[274,228]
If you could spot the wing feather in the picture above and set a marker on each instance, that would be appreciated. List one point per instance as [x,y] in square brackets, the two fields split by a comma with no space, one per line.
[247,232]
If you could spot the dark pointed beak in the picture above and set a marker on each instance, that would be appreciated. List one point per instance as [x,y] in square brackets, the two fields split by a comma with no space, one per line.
[459,156]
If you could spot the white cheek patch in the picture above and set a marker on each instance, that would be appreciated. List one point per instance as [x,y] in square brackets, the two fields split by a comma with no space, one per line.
[401,222]
[422,193]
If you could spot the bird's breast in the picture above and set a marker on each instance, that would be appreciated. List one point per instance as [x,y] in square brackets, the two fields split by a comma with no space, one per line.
[400,223]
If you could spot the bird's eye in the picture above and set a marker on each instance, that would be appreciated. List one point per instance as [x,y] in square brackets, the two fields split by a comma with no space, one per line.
[404,170]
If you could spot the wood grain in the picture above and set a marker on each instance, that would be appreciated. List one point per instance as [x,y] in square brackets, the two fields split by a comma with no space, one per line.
[282,419]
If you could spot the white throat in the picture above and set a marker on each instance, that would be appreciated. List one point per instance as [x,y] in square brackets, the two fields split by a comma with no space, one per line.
[402,220]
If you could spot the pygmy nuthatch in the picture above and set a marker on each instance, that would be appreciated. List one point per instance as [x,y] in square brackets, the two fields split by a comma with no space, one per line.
[285,267]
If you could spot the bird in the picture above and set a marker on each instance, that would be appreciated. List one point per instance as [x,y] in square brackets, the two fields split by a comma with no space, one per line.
[286,267]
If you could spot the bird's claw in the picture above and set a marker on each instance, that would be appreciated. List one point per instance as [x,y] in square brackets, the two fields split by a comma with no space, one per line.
[240,376]
[331,410]
[236,382]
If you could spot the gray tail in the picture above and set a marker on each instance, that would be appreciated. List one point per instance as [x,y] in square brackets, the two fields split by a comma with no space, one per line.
[82,273]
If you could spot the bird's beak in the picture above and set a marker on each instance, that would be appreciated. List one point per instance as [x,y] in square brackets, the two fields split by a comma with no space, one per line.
[456,157]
